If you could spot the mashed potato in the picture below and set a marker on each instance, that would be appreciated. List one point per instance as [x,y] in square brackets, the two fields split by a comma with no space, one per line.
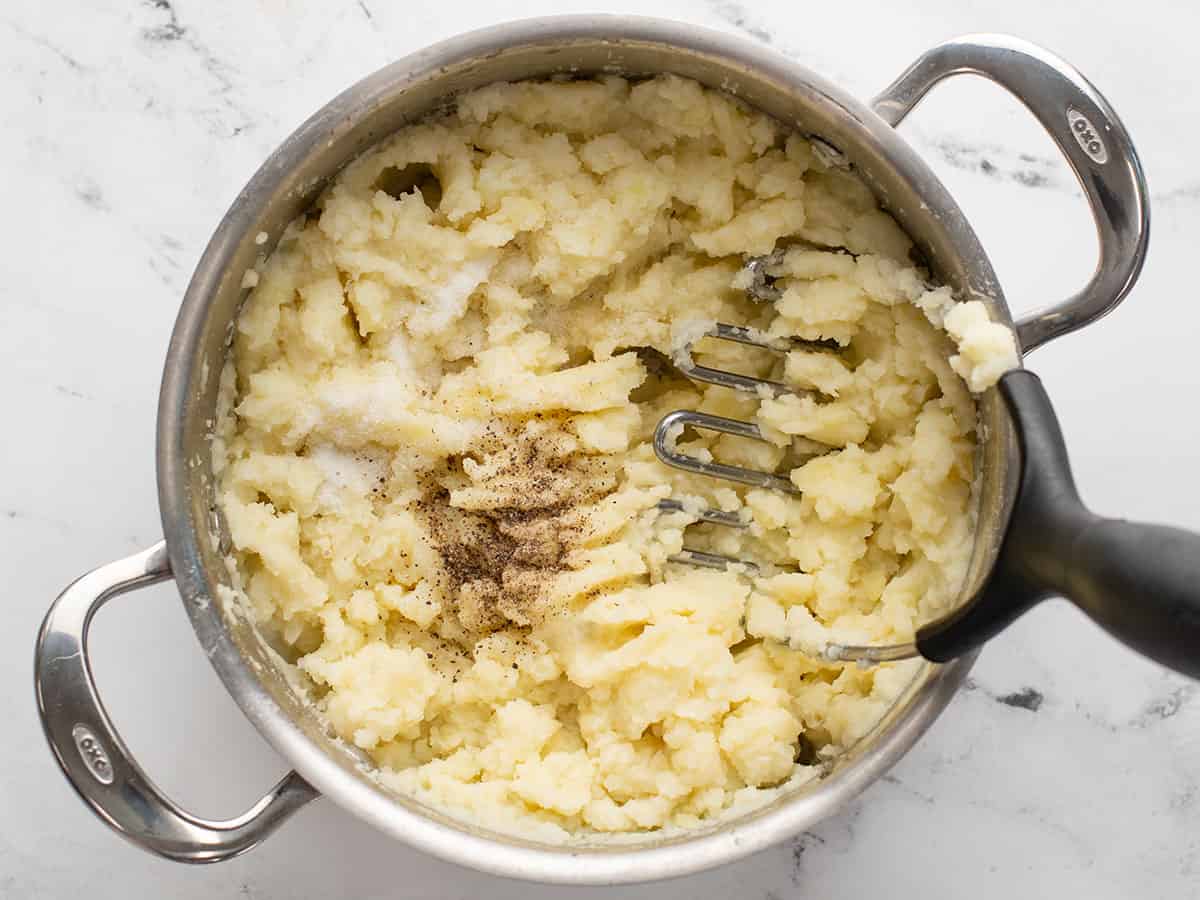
[437,472]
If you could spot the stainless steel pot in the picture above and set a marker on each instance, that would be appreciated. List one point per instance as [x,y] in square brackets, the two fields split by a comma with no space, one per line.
[81,736]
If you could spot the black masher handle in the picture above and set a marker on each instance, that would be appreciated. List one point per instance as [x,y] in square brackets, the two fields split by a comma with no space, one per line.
[1141,583]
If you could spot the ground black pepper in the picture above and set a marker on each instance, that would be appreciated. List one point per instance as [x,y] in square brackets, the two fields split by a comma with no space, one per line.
[499,560]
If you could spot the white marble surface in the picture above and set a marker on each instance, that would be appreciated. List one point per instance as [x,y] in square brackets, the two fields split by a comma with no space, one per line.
[1070,767]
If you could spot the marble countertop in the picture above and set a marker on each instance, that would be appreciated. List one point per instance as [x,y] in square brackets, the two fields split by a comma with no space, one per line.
[1068,766]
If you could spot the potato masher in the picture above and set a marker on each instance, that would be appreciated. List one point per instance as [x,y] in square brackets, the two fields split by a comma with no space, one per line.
[1140,582]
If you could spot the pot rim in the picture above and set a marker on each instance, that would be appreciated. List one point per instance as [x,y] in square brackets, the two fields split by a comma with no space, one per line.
[928,695]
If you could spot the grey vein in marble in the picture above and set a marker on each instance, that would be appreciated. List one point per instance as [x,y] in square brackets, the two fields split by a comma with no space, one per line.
[739,17]
[1187,194]
[1163,708]
[169,31]
[1027,698]
[90,194]
[39,41]
[367,14]
[1001,163]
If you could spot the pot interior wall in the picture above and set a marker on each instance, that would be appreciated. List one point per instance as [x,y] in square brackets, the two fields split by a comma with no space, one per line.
[290,180]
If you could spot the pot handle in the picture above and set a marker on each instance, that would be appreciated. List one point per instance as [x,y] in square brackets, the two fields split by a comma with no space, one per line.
[1090,136]
[96,760]
[1141,583]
